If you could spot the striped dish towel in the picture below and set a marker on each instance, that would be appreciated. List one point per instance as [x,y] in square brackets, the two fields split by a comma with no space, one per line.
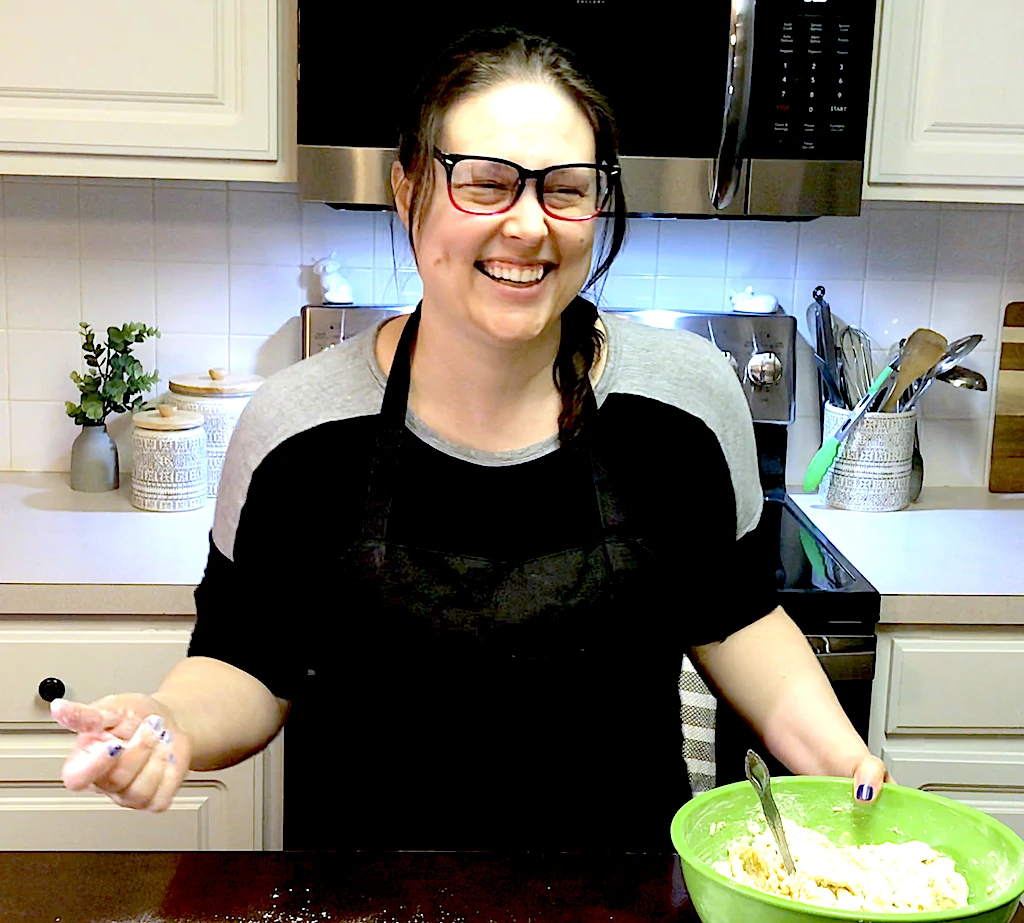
[697,709]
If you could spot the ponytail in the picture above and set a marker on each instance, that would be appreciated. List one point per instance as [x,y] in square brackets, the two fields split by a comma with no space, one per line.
[578,349]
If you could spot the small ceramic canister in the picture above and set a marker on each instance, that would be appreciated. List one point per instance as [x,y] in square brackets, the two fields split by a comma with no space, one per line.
[220,397]
[169,451]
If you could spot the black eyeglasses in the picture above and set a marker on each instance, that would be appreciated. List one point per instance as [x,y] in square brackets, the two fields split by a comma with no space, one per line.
[490,186]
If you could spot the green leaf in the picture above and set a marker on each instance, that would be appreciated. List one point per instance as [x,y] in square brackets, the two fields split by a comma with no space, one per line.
[92,405]
[73,409]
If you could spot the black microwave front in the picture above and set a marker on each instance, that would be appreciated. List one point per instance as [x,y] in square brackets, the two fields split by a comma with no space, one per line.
[725,107]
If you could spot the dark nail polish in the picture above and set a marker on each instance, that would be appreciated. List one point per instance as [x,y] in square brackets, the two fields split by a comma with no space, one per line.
[864,793]
[170,758]
[114,750]
[156,723]
[166,736]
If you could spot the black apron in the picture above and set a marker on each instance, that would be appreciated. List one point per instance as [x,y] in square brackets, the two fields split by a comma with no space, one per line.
[503,705]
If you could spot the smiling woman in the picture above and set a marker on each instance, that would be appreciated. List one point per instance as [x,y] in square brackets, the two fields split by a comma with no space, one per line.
[494,664]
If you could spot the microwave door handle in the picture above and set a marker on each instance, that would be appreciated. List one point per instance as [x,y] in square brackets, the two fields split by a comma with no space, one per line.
[728,165]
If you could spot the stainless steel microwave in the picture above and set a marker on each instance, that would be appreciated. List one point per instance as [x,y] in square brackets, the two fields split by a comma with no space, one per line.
[730,108]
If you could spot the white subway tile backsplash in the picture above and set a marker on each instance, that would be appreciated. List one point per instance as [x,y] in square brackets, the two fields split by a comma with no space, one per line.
[955,452]
[673,293]
[962,308]
[116,222]
[806,380]
[391,287]
[902,244]
[41,436]
[263,298]
[1014,270]
[762,249]
[223,270]
[627,292]
[264,227]
[259,355]
[348,234]
[693,248]
[191,224]
[803,441]
[833,248]
[895,309]
[43,294]
[192,298]
[118,292]
[5,436]
[972,245]
[189,353]
[41,363]
[639,255]
[41,220]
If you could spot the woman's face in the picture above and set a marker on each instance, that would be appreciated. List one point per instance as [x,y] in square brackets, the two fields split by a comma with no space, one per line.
[462,257]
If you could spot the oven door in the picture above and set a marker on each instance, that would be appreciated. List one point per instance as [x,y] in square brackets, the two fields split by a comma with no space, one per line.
[706,96]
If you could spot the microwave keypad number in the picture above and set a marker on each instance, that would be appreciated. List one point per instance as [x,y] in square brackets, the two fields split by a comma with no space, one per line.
[814,108]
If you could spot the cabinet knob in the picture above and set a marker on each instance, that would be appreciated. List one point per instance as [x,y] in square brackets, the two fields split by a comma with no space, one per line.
[51,688]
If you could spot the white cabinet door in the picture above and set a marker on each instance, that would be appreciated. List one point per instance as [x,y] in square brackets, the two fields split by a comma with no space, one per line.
[212,810]
[989,776]
[949,100]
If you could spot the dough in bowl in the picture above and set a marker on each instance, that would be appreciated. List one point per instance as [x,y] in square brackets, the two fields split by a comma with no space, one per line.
[887,877]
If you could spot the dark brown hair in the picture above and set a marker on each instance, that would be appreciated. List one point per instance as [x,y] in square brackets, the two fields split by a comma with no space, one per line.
[480,61]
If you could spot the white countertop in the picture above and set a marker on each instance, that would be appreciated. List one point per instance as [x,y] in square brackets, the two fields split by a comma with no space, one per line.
[956,556]
[935,561]
[66,552]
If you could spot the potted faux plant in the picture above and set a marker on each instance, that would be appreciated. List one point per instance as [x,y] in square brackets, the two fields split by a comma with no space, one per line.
[114,382]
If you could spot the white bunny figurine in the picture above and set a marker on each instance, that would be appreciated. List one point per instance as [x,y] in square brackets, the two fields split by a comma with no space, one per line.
[335,285]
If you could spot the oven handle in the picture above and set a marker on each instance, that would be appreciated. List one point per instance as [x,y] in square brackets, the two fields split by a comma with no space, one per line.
[728,166]
[848,664]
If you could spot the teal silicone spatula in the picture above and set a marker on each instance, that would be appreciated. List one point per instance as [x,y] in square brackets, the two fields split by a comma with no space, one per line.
[824,457]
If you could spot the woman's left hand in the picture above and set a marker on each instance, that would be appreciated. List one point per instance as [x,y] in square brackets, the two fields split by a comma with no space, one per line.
[868,777]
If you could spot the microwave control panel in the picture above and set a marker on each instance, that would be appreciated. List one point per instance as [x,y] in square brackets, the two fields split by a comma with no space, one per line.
[811,79]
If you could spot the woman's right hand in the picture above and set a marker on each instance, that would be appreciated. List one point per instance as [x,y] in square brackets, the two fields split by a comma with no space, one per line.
[128,747]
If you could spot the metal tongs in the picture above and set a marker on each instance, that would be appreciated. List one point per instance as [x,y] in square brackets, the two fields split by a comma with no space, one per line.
[757,775]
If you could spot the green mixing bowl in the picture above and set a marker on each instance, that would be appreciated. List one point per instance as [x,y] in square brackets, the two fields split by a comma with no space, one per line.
[987,853]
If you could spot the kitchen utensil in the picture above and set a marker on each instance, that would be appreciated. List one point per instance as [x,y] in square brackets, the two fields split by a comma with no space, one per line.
[957,350]
[826,454]
[921,351]
[987,853]
[916,468]
[962,377]
[858,366]
[828,342]
[758,776]
[1006,474]
[832,389]
[220,397]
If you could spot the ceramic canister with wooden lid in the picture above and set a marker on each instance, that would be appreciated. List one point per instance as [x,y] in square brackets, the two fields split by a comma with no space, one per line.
[169,452]
[220,397]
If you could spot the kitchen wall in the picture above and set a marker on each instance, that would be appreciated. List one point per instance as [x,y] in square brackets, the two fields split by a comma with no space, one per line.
[223,269]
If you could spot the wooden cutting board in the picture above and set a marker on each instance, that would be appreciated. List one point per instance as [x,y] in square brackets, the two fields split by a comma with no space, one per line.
[1007,473]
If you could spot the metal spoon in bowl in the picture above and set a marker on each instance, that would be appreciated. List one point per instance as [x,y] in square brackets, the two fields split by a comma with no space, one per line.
[757,775]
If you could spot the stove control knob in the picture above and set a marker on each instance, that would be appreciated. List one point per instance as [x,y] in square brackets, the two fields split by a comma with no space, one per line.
[764,370]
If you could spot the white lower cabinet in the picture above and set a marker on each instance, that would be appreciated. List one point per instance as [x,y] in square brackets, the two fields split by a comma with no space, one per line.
[947,715]
[235,808]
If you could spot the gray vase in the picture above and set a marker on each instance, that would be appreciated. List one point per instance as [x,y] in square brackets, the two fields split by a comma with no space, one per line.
[94,460]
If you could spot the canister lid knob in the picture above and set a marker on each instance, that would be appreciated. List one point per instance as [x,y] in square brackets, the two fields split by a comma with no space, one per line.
[218,374]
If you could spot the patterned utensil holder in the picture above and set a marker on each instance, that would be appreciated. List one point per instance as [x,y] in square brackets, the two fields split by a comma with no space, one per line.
[169,452]
[871,471]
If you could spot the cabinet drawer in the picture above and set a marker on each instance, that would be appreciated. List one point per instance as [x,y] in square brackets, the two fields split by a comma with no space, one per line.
[90,664]
[959,686]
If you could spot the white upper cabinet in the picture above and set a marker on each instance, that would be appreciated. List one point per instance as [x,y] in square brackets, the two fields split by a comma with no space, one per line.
[189,89]
[948,120]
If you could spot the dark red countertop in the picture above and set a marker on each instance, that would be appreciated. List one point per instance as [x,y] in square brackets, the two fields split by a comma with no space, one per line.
[274,887]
